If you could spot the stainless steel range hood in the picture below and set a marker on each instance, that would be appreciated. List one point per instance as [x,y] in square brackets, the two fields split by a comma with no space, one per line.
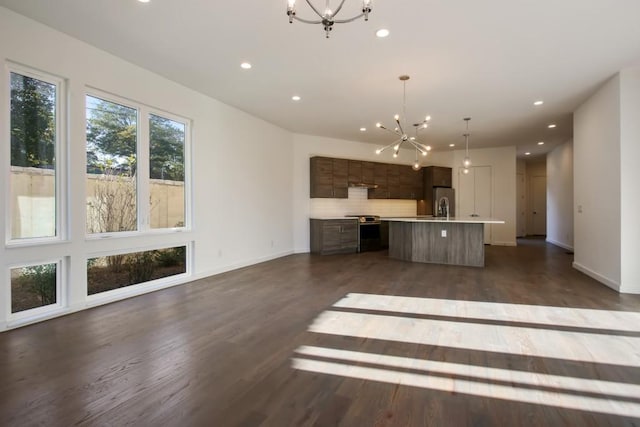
[362,185]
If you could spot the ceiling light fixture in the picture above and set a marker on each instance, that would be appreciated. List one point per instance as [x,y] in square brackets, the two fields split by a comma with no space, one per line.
[541,143]
[245,65]
[467,161]
[296,98]
[452,145]
[382,33]
[363,129]
[327,17]
[527,153]
[538,103]
[551,126]
[399,130]
[144,1]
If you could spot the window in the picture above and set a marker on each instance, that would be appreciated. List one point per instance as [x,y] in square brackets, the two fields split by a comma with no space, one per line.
[34,286]
[112,139]
[35,135]
[166,172]
[119,271]
[129,162]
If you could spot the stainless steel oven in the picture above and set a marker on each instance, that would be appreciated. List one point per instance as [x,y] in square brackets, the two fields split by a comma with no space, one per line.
[369,236]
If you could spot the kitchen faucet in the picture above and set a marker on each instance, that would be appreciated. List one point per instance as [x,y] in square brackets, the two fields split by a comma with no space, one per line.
[443,207]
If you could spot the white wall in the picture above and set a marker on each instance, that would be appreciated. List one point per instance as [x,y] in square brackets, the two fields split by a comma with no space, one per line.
[306,146]
[629,179]
[596,185]
[560,196]
[503,166]
[241,170]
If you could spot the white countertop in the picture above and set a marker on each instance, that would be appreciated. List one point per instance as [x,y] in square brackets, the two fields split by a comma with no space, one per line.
[330,218]
[460,220]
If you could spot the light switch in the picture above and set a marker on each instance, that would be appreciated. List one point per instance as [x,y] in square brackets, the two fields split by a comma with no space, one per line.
[443,233]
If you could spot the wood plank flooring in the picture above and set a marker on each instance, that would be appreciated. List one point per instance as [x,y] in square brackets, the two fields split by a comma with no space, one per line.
[344,340]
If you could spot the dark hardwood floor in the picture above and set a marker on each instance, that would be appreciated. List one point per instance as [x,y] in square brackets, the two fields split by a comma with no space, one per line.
[246,348]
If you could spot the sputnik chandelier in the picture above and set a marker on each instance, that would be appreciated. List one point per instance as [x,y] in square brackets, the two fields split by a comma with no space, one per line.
[399,130]
[328,15]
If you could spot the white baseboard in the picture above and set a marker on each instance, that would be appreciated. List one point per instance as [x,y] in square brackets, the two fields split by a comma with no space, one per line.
[560,244]
[241,264]
[600,278]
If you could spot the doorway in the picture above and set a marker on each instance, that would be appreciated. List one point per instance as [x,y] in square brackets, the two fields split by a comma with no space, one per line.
[538,206]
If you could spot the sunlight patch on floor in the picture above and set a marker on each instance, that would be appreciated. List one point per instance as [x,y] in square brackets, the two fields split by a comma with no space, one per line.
[536,314]
[556,333]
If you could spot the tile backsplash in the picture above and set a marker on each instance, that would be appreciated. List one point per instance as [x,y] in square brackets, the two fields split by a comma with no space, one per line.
[357,203]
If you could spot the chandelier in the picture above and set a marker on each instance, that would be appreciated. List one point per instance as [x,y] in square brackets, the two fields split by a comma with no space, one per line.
[327,17]
[399,130]
[466,163]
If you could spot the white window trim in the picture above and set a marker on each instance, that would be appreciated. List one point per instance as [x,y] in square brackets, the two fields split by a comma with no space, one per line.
[61,147]
[143,287]
[37,313]
[187,168]
[142,167]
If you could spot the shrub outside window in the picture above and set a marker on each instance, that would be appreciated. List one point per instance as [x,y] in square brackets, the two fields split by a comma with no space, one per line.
[34,286]
[111,272]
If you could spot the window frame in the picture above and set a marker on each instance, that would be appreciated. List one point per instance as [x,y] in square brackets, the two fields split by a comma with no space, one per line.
[31,314]
[143,180]
[118,294]
[60,153]
[187,169]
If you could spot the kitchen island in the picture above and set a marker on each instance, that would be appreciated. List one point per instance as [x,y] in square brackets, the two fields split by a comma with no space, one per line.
[455,241]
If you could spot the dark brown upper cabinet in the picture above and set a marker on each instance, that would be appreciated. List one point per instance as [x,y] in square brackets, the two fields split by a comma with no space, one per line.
[437,176]
[381,180]
[360,173]
[329,178]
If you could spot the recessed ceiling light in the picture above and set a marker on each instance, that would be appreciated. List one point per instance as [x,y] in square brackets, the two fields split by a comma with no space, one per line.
[363,129]
[245,65]
[144,1]
[452,145]
[538,103]
[527,153]
[551,126]
[541,143]
[295,98]
[382,33]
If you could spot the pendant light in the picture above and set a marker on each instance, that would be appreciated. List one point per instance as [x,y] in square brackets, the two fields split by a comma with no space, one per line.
[467,161]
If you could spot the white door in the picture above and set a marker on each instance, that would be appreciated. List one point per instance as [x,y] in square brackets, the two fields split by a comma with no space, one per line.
[475,197]
[539,205]
[521,206]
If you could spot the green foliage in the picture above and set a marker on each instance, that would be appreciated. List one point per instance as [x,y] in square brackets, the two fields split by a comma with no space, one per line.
[111,136]
[141,266]
[171,257]
[42,281]
[166,149]
[32,122]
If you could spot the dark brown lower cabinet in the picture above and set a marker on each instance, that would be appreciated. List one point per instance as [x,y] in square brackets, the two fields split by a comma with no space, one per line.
[334,236]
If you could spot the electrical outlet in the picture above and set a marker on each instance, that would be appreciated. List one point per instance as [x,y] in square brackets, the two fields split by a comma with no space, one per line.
[443,233]
[579,208]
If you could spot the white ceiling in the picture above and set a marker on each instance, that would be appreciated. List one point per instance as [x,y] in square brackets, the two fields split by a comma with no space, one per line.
[487,59]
